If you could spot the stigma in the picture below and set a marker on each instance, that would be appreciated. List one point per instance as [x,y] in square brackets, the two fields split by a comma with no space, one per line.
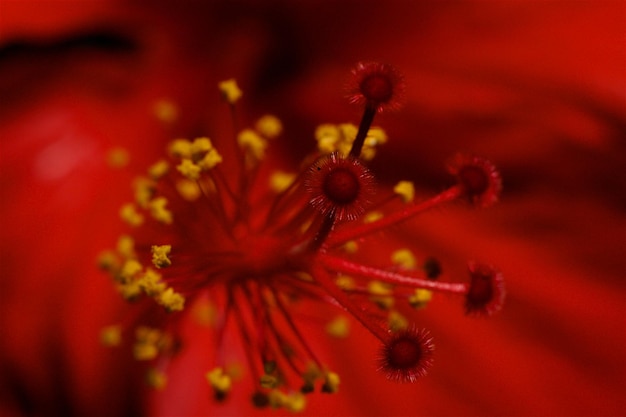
[216,233]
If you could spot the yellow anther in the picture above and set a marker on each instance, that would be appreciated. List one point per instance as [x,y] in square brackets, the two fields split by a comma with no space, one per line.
[159,255]
[230,90]
[269,126]
[130,215]
[404,258]
[276,398]
[348,132]
[158,210]
[420,298]
[143,351]
[219,380]
[165,111]
[129,290]
[372,216]
[396,321]
[327,136]
[375,136]
[151,284]
[406,191]
[111,336]
[331,382]
[129,271]
[180,148]
[118,157]
[252,143]
[126,246]
[339,327]
[295,402]
[144,191]
[345,282]
[147,343]
[280,181]
[156,379]
[351,246]
[189,169]
[171,300]
[210,160]
[381,294]
[159,169]
[188,189]
[108,261]
[205,313]
[268,381]
[200,146]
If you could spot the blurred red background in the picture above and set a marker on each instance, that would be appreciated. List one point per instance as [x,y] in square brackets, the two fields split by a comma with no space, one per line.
[537,87]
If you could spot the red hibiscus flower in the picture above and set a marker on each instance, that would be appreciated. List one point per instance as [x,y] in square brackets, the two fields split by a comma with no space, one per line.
[538,88]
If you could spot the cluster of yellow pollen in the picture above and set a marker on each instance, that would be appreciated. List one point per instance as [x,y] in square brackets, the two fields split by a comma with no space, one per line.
[339,138]
[133,279]
[243,247]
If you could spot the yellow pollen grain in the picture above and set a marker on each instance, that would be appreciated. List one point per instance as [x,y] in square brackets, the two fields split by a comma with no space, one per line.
[252,143]
[200,146]
[130,291]
[351,246]
[108,261]
[188,189]
[404,258]
[219,380]
[189,169]
[331,382]
[295,402]
[146,345]
[160,254]
[156,379]
[269,126]
[159,169]
[339,327]
[277,398]
[130,269]
[375,136]
[180,148]
[372,216]
[165,110]
[381,294]
[144,191]
[396,321]
[420,298]
[327,136]
[130,215]
[406,191]
[280,181]
[111,336]
[210,160]
[268,381]
[151,284]
[171,300]
[126,246]
[118,157]
[158,210]
[205,313]
[230,90]
[345,282]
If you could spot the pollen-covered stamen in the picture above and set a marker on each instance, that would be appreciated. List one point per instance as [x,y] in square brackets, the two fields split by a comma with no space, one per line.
[478,177]
[339,187]
[407,355]
[485,294]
